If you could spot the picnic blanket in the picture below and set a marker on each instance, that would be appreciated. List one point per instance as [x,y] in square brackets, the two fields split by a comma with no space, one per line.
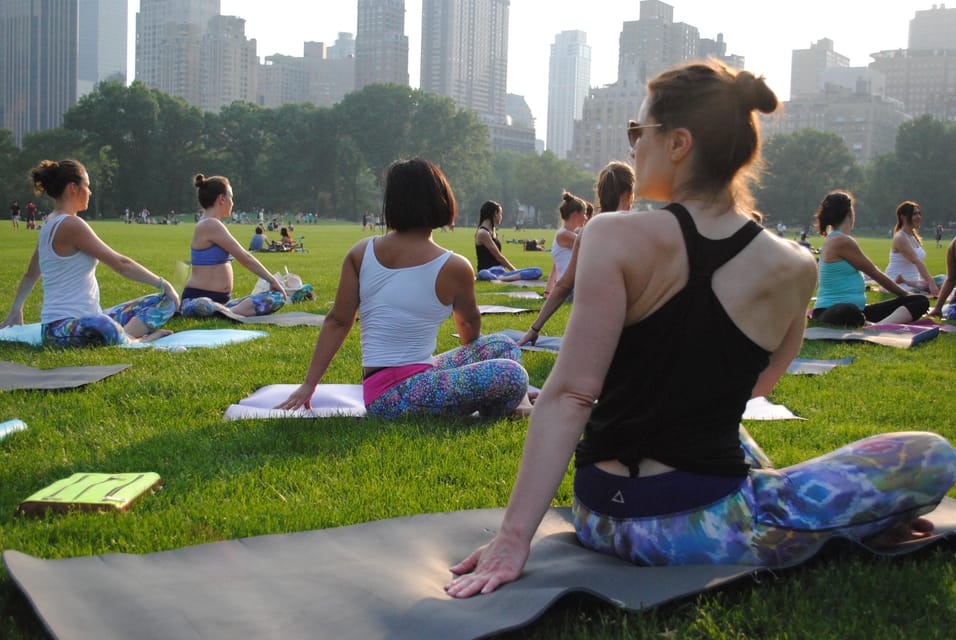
[21,376]
[178,341]
[900,336]
[367,581]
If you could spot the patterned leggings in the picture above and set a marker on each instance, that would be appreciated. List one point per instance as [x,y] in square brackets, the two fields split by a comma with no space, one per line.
[782,517]
[484,376]
[265,303]
[153,310]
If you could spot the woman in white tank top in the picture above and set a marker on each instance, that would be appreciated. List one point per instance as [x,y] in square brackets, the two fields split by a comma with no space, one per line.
[67,253]
[907,255]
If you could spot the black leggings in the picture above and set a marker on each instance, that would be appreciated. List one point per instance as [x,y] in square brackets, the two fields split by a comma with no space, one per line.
[845,314]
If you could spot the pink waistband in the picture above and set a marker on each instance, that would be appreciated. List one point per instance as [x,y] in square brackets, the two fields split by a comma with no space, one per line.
[384,379]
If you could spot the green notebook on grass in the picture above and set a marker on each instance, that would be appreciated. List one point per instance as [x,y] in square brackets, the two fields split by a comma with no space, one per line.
[92,492]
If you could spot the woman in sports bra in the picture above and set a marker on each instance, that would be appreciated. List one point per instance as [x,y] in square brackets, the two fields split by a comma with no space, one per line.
[66,256]
[405,286]
[213,248]
[841,296]
[680,316]
[907,255]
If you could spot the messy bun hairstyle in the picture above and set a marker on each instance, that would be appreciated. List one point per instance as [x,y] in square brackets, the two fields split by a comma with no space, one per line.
[51,177]
[570,203]
[716,103]
[208,190]
[833,210]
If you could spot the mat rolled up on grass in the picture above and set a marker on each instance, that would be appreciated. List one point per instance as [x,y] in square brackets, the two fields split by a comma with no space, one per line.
[367,581]
[21,376]
[901,336]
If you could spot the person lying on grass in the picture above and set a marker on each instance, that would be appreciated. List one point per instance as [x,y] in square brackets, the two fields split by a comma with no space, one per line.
[212,250]
[680,316]
[66,256]
[404,286]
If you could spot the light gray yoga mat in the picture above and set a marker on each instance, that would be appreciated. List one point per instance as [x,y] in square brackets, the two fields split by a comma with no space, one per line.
[899,338]
[30,334]
[285,319]
[21,376]
[375,580]
[486,309]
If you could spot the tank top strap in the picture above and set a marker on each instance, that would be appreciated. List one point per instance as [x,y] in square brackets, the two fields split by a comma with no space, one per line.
[705,256]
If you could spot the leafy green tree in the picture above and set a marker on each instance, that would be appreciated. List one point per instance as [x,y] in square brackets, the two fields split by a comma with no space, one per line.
[800,169]
[14,185]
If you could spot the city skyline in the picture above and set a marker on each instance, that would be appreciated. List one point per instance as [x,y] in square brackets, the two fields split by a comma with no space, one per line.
[748,28]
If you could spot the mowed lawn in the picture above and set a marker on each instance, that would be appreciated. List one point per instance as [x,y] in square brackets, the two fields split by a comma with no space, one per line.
[228,480]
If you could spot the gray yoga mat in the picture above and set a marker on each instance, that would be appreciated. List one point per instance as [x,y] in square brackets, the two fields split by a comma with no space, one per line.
[375,580]
[21,376]
[899,338]
[285,319]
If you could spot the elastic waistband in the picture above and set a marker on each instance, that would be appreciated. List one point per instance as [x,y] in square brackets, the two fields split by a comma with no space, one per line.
[215,296]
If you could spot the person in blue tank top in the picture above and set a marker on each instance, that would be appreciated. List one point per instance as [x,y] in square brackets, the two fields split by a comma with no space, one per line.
[841,295]
[680,316]
[213,248]
[67,253]
[404,286]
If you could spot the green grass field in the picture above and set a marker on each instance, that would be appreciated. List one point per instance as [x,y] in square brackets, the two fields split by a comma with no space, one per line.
[232,479]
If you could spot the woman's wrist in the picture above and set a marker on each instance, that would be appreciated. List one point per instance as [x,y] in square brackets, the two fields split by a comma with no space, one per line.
[535,329]
[162,284]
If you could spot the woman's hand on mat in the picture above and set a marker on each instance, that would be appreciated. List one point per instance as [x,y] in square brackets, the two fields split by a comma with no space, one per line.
[14,318]
[498,562]
[301,397]
[530,337]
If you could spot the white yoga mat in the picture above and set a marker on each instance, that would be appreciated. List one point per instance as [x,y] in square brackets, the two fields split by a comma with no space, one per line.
[487,309]
[328,400]
[762,409]
[179,341]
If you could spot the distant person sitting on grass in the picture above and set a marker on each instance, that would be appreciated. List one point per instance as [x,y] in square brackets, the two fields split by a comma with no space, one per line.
[212,250]
[405,286]
[841,295]
[907,256]
[66,256]
[941,308]
[615,192]
[487,244]
[259,240]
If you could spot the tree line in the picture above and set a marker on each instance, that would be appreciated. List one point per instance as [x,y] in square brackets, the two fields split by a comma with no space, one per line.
[142,148]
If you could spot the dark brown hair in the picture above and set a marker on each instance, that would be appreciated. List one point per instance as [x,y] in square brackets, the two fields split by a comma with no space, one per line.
[616,179]
[209,189]
[569,204]
[907,209]
[716,103]
[833,210]
[51,177]
[488,211]
[417,194]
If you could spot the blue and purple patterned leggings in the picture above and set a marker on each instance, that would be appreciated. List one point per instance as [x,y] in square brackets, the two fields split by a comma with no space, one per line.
[204,307]
[778,518]
[484,376]
[154,310]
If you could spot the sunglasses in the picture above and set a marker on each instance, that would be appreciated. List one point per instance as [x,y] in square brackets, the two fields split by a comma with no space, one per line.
[634,130]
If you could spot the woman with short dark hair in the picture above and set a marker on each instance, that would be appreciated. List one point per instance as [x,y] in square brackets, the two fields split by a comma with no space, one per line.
[404,286]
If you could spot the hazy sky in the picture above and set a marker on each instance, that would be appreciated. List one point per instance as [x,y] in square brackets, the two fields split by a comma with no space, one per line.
[763,31]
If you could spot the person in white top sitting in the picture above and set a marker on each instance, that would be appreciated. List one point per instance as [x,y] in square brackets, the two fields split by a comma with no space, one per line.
[404,286]
[907,255]
[66,256]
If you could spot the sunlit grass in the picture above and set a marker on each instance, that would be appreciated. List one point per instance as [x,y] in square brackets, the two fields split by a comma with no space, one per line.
[231,479]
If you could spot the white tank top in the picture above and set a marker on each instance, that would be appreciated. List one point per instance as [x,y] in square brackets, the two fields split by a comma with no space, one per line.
[399,311]
[900,265]
[70,289]
[561,256]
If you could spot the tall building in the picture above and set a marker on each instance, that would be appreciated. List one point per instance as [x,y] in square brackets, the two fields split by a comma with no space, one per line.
[229,64]
[569,80]
[933,29]
[169,39]
[647,46]
[318,76]
[102,43]
[38,63]
[465,53]
[381,46]
[807,67]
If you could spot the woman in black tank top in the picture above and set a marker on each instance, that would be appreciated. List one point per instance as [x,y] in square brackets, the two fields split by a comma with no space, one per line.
[664,473]
[487,244]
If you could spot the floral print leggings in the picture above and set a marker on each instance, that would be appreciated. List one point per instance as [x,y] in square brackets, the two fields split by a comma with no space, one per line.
[781,517]
[484,376]
[154,310]
[265,303]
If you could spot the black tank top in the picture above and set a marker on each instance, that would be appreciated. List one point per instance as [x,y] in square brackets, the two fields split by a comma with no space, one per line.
[485,259]
[680,379]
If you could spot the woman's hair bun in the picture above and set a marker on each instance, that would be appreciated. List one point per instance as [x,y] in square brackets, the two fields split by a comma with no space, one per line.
[199,180]
[754,93]
[567,197]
